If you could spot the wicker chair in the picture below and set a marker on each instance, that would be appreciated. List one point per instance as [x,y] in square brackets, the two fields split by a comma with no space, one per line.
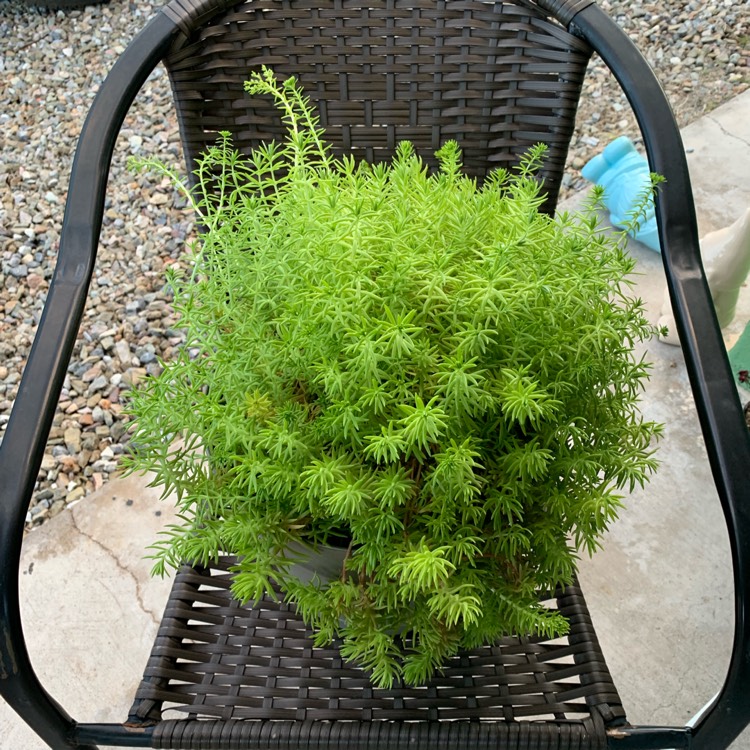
[498,77]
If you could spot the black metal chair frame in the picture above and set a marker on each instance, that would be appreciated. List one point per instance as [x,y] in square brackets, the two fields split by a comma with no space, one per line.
[724,429]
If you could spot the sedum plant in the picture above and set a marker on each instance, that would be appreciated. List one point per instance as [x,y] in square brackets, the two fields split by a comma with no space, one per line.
[432,374]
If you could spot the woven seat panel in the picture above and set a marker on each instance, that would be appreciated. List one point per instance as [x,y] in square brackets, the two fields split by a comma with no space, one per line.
[496,77]
[217,659]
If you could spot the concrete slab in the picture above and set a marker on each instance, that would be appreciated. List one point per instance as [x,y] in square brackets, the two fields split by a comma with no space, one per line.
[718,148]
[660,592]
[90,608]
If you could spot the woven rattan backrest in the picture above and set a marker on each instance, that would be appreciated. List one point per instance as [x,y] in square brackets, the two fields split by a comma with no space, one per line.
[497,77]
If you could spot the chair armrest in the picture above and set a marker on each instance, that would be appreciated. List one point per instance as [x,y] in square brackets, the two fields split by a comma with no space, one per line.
[26,435]
[725,432]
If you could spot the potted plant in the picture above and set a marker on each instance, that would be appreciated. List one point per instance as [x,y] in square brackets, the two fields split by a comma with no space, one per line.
[427,374]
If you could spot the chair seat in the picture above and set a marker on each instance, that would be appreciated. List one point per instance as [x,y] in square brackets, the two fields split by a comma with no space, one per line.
[232,675]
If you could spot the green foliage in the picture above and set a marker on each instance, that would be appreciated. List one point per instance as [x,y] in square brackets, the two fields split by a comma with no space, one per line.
[428,367]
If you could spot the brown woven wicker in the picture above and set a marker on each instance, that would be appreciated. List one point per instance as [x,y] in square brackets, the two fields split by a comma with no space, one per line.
[496,77]
[227,670]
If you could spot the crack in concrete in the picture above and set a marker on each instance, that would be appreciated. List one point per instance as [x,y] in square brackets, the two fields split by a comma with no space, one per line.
[674,708]
[120,566]
[655,717]
[726,132]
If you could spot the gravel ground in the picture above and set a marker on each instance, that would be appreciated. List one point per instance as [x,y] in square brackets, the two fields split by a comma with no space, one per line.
[51,64]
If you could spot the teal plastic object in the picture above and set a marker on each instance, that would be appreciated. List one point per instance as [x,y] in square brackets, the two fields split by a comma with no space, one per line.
[739,359]
[624,175]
